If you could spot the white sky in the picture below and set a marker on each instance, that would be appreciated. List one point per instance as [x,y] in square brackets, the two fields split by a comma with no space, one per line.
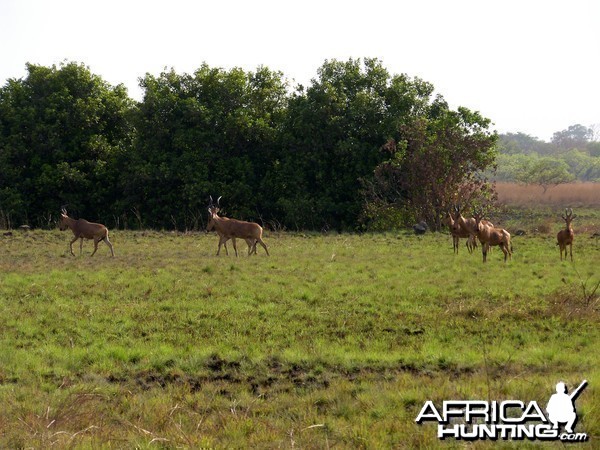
[529,65]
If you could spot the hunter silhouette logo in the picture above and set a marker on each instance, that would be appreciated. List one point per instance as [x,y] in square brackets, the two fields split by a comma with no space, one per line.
[561,406]
[507,420]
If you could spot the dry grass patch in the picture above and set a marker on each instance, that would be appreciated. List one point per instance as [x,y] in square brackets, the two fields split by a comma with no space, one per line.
[571,194]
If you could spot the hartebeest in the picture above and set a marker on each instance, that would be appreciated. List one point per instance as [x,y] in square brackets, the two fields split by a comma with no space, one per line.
[458,232]
[565,236]
[249,242]
[82,229]
[489,236]
[211,225]
[231,229]
[467,228]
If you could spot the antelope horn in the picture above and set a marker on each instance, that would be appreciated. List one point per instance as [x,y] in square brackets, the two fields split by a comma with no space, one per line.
[218,200]
[211,200]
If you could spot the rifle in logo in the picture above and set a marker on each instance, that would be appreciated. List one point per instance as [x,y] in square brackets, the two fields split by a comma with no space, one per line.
[561,406]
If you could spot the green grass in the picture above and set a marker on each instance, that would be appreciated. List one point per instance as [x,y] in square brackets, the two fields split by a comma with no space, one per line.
[333,341]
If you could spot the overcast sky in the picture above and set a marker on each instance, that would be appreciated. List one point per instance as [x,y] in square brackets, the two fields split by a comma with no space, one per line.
[529,65]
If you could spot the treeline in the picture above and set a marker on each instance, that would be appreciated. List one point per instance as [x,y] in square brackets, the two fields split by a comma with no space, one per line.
[572,155]
[358,148]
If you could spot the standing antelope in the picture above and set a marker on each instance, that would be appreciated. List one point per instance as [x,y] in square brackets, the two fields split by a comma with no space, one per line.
[231,229]
[458,232]
[565,236]
[82,229]
[468,228]
[489,236]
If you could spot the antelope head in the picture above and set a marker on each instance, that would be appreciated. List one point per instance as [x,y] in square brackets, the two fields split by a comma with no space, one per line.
[456,213]
[213,211]
[569,216]
[477,215]
[62,223]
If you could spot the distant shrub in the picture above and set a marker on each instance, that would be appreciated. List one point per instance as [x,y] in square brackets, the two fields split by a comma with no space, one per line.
[385,217]
[544,228]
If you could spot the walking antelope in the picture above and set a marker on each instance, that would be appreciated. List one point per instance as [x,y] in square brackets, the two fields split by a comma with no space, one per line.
[231,229]
[82,229]
[489,236]
[249,242]
[211,226]
[565,236]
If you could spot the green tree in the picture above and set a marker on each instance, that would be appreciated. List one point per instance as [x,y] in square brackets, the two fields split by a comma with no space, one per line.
[581,165]
[332,136]
[576,136]
[546,172]
[594,149]
[521,143]
[213,132]
[60,129]
[439,161]
[510,167]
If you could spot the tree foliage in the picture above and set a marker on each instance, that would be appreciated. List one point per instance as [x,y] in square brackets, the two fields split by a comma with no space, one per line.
[437,163]
[576,136]
[61,130]
[213,132]
[316,157]
[546,172]
[572,155]
[331,136]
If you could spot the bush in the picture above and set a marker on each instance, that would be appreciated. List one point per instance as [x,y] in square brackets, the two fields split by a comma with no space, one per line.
[544,228]
[385,217]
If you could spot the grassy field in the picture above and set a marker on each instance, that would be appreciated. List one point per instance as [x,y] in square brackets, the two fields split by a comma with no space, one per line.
[332,342]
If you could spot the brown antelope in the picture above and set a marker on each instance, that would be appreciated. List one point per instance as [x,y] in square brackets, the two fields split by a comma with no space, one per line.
[468,227]
[82,229]
[249,242]
[231,229]
[490,236]
[211,226]
[457,232]
[565,236]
